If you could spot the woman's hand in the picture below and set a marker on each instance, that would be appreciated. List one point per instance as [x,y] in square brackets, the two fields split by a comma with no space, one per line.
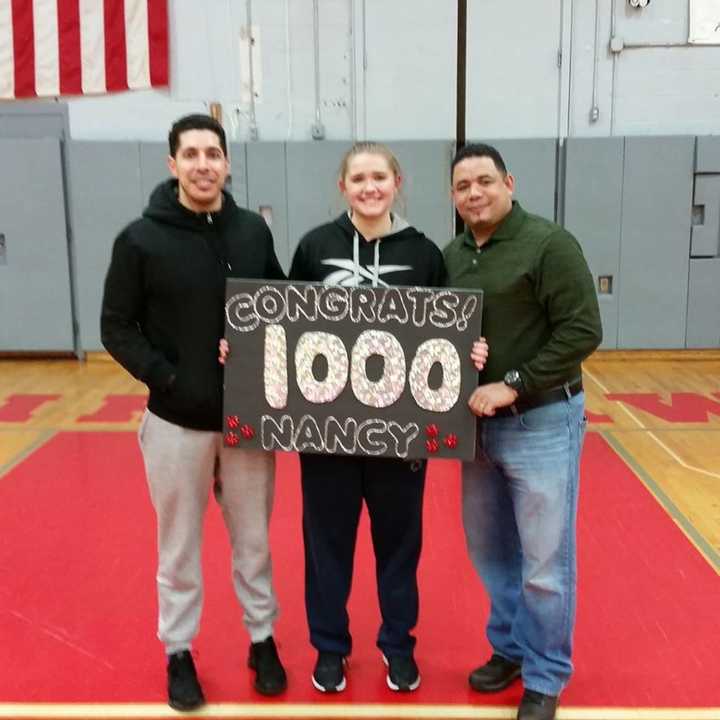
[223,350]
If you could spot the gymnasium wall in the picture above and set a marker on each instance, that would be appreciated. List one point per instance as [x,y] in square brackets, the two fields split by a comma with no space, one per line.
[606,114]
[387,68]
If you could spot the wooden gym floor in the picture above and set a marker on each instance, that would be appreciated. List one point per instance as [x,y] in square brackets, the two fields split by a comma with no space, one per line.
[659,411]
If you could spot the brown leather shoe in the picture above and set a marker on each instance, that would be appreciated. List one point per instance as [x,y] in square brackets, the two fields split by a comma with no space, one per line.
[494,675]
[536,706]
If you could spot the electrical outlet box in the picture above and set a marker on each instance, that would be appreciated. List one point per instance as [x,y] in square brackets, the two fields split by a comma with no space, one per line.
[605,284]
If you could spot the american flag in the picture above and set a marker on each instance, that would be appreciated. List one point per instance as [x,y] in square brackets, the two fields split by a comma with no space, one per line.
[81,47]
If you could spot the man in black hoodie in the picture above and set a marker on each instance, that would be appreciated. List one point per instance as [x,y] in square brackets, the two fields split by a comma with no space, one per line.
[162,318]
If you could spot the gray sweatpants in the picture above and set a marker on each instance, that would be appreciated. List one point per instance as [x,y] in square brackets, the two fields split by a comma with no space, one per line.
[182,466]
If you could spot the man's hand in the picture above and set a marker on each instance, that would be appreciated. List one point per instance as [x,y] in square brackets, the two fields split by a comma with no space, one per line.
[224,350]
[487,398]
[479,353]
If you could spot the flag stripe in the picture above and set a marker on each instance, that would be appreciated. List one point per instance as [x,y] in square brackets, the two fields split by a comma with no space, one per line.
[7,64]
[69,44]
[47,62]
[24,58]
[158,34]
[138,52]
[115,50]
[92,46]
[65,47]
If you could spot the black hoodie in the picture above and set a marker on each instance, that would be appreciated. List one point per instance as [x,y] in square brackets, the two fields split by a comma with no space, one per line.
[337,254]
[163,307]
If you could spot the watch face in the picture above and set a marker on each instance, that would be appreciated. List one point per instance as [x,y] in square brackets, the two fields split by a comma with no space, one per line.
[512,378]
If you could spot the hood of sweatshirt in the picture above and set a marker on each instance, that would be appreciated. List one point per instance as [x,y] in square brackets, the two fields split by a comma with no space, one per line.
[400,232]
[165,207]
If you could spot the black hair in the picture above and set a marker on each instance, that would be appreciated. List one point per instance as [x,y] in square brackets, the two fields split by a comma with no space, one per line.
[197,121]
[479,150]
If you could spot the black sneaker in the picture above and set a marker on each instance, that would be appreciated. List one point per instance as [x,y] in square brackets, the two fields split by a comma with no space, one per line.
[403,674]
[270,677]
[329,673]
[184,691]
[495,675]
[536,706]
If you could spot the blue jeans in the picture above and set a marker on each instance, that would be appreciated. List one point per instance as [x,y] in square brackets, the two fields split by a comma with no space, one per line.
[519,513]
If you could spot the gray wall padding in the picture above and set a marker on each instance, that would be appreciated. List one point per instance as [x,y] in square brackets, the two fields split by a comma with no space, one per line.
[153,167]
[705,238]
[312,193]
[655,244]
[593,213]
[266,173]
[238,165]
[425,196]
[708,154]
[106,186]
[35,301]
[703,322]
[628,201]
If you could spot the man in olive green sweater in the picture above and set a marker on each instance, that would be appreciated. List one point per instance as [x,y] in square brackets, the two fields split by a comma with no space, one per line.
[541,320]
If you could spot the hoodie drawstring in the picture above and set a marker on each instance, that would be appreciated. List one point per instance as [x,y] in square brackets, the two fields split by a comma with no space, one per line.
[376,274]
[356,261]
[356,258]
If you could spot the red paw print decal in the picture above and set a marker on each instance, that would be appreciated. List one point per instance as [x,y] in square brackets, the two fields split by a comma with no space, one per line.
[432,431]
[432,445]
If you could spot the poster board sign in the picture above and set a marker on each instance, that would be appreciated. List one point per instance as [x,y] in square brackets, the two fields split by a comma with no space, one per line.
[352,371]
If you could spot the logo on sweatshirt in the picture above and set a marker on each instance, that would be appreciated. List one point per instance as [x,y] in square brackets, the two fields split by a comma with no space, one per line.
[346,275]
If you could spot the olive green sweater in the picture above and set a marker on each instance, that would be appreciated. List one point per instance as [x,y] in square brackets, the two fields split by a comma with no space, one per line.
[540,310]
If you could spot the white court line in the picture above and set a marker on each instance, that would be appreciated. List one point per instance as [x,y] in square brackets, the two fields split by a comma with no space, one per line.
[670,452]
[320,710]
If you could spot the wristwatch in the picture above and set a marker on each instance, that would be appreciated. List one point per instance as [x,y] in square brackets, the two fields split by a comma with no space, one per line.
[513,380]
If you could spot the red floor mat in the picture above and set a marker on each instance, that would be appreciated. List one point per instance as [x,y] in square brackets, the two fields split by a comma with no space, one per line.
[77,603]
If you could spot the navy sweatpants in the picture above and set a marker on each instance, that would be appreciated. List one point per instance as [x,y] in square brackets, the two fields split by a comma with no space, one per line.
[334,488]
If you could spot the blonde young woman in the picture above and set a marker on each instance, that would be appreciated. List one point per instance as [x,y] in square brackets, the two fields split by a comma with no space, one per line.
[366,245]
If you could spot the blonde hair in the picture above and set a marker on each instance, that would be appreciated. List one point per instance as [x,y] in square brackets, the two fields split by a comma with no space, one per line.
[371,148]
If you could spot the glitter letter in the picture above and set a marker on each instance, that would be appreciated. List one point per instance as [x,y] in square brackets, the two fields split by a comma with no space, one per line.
[431,352]
[310,345]
[390,386]
[275,372]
